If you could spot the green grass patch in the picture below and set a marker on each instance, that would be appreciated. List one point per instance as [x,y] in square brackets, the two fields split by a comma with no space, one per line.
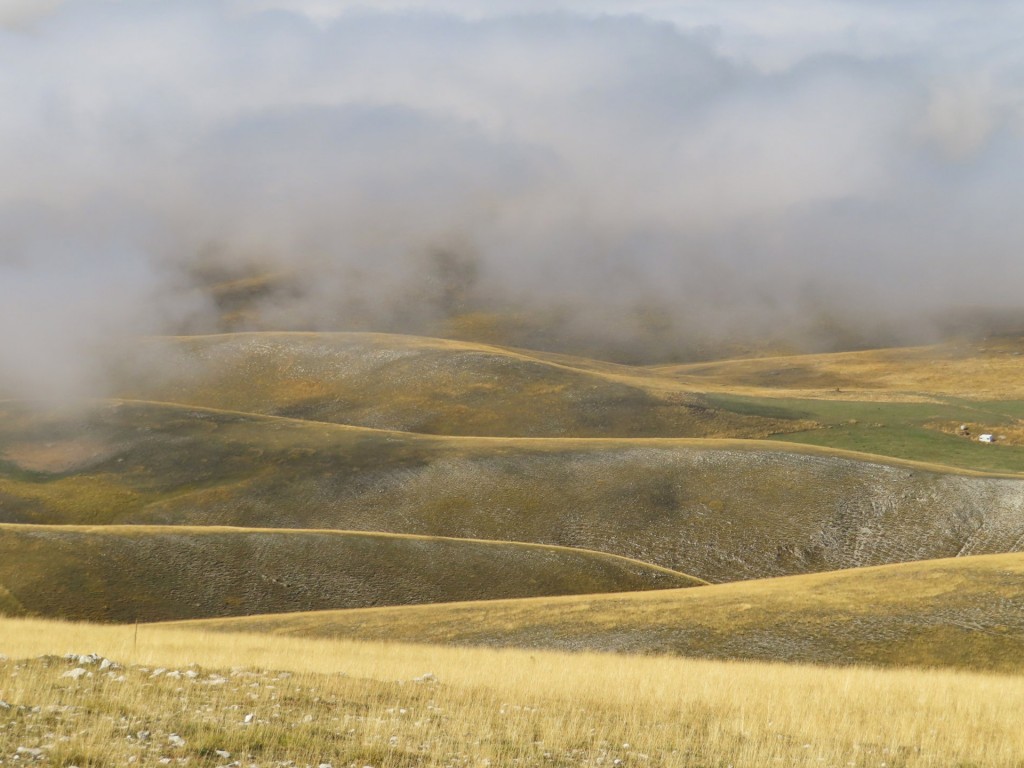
[896,429]
[917,444]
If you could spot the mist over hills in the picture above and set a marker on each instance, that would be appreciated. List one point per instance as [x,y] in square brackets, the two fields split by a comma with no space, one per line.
[116,510]
[228,227]
[646,184]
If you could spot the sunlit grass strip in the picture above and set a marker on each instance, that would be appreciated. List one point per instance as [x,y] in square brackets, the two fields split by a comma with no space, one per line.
[963,612]
[358,704]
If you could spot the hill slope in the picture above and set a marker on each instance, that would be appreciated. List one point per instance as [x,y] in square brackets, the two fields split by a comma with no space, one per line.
[900,402]
[718,510]
[965,612]
[143,573]
[425,385]
[986,369]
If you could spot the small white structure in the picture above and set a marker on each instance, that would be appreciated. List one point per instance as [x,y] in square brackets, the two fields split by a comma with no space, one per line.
[986,438]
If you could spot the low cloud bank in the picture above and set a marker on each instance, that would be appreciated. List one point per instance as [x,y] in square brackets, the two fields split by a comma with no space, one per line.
[650,183]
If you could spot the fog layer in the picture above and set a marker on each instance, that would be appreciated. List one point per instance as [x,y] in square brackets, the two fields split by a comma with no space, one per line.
[652,177]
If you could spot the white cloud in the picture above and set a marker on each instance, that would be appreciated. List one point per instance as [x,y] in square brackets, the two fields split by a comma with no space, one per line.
[14,12]
[729,165]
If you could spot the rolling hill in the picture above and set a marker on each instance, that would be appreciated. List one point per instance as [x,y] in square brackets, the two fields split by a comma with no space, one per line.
[963,612]
[143,573]
[982,369]
[718,510]
[431,386]
[904,403]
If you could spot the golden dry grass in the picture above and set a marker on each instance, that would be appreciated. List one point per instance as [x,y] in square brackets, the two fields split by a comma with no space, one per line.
[961,612]
[358,704]
[426,385]
[983,370]
[439,386]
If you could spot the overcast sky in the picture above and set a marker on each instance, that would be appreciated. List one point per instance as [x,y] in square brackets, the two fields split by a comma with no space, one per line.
[731,166]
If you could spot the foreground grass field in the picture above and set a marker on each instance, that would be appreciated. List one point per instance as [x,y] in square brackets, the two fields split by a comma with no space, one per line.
[185,697]
[962,612]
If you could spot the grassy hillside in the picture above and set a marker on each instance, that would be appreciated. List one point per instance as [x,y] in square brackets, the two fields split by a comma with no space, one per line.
[965,612]
[418,384]
[905,403]
[987,369]
[248,438]
[142,573]
[266,700]
[718,510]
[920,431]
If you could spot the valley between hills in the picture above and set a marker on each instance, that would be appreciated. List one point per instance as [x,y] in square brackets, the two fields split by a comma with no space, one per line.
[351,549]
[511,385]
[814,508]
